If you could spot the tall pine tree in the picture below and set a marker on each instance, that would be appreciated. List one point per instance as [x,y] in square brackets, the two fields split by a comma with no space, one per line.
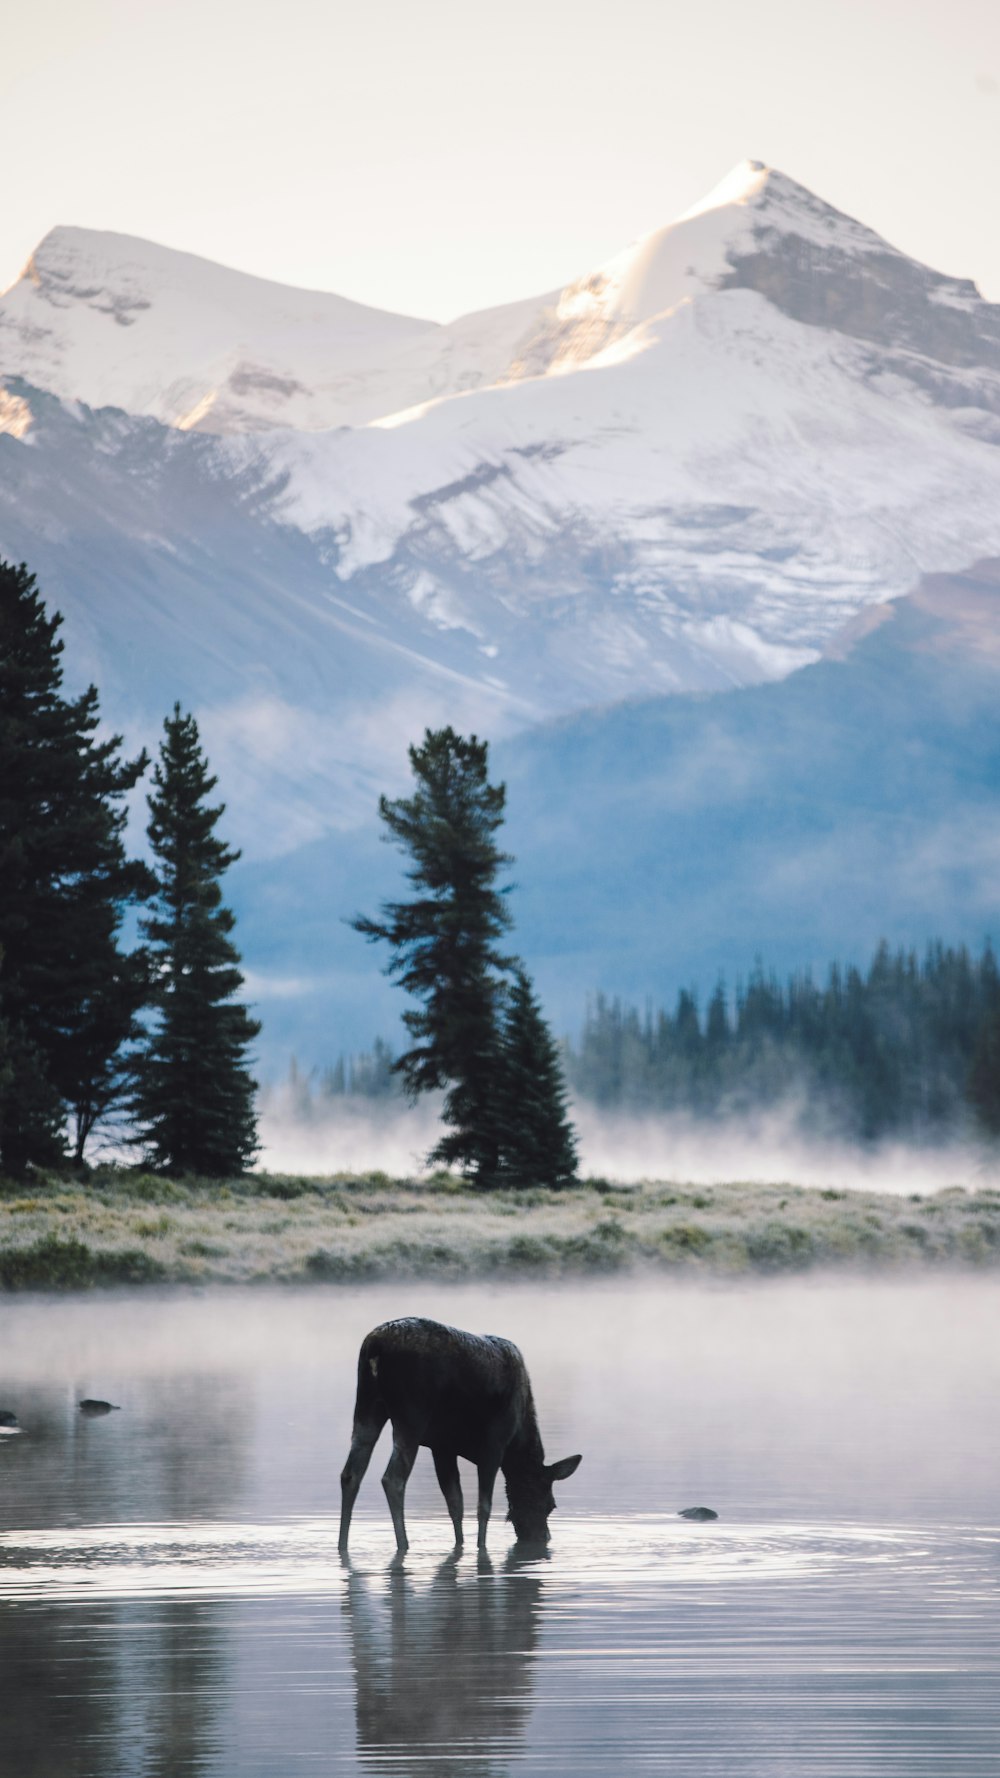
[484,1043]
[194,1095]
[444,941]
[983,1083]
[69,994]
[537,1144]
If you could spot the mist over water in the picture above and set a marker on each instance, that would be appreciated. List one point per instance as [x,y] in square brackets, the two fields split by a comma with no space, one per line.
[171,1600]
[362,1134]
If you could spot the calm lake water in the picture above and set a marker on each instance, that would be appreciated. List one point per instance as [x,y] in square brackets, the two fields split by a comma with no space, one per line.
[171,1600]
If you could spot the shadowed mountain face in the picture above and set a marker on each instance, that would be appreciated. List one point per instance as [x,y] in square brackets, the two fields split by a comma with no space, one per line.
[819,267]
[661,841]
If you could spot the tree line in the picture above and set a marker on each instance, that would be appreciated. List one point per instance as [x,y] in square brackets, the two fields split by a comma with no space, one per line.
[91,1031]
[910,1045]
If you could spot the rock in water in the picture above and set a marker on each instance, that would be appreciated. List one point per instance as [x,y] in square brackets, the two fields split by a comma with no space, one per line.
[92,1408]
[8,1420]
[697,1512]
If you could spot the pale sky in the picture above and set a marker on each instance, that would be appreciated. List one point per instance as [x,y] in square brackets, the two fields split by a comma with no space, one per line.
[435,156]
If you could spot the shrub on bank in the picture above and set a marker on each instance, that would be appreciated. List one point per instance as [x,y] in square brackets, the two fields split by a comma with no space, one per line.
[52,1263]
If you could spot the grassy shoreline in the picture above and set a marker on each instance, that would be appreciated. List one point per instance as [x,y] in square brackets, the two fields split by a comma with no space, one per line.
[123,1227]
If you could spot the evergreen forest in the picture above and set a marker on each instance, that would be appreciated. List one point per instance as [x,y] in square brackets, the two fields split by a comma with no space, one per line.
[909,1046]
[902,1048]
[141,1044]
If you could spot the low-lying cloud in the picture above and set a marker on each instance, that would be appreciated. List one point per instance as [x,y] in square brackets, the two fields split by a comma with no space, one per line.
[353,1134]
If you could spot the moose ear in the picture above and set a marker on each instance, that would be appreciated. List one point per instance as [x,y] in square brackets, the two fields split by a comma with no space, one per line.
[557,1472]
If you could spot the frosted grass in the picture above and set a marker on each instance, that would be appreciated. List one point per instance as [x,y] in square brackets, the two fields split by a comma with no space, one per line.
[123,1227]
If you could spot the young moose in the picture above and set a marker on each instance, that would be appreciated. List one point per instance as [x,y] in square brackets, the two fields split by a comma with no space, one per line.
[464,1395]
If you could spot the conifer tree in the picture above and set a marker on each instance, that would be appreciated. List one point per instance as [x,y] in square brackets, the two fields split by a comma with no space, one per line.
[70,996]
[983,1083]
[444,941]
[194,1095]
[537,1144]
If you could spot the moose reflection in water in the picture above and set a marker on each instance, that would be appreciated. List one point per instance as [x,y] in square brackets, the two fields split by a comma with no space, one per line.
[444,1670]
[464,1395]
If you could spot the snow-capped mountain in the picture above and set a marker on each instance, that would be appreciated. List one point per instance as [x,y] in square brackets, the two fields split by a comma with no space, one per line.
[322,527]
[685,471]
[119,322]
[115,321]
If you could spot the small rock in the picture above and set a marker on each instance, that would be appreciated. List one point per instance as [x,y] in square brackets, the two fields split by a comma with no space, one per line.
[8,1421]
[92,1408]
[697,1512]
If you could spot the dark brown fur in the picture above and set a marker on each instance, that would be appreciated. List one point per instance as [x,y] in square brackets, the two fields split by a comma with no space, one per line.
[463,1395]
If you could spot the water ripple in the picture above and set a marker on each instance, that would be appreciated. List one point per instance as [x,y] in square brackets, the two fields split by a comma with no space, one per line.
[623,1558]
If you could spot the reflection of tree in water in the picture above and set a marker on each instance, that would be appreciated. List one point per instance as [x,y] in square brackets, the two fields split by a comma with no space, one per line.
[445,1674]
[109,1690]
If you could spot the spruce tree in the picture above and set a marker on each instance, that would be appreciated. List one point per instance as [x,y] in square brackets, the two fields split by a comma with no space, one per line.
[537,1144]
[444,941]
[70,996]
[983,1081]
[483,1043]
[194,1095]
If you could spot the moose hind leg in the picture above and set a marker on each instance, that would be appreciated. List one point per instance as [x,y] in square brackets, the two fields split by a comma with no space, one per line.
[358,1458]
[404,1455]
[446,1470]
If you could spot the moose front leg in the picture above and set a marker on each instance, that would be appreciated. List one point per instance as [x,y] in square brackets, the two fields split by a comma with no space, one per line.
[404,1455]
[446,1470]
[487,1479]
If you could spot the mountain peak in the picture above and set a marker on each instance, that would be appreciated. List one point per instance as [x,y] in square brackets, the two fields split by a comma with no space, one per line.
[741,185]
[115,320]
[760,230]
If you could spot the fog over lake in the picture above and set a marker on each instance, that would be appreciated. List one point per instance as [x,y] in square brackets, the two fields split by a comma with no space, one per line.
[172,1602]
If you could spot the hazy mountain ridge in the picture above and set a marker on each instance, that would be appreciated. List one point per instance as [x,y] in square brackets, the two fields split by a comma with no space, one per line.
[664,840]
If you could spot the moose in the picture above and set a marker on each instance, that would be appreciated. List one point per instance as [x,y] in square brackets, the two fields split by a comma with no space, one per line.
[463,1395]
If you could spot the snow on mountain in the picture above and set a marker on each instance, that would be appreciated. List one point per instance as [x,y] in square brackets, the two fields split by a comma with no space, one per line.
[115,321]
[683,472]
[738,438]
[119,322]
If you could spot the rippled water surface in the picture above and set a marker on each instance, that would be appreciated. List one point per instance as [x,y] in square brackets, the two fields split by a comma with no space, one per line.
[171,1600]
